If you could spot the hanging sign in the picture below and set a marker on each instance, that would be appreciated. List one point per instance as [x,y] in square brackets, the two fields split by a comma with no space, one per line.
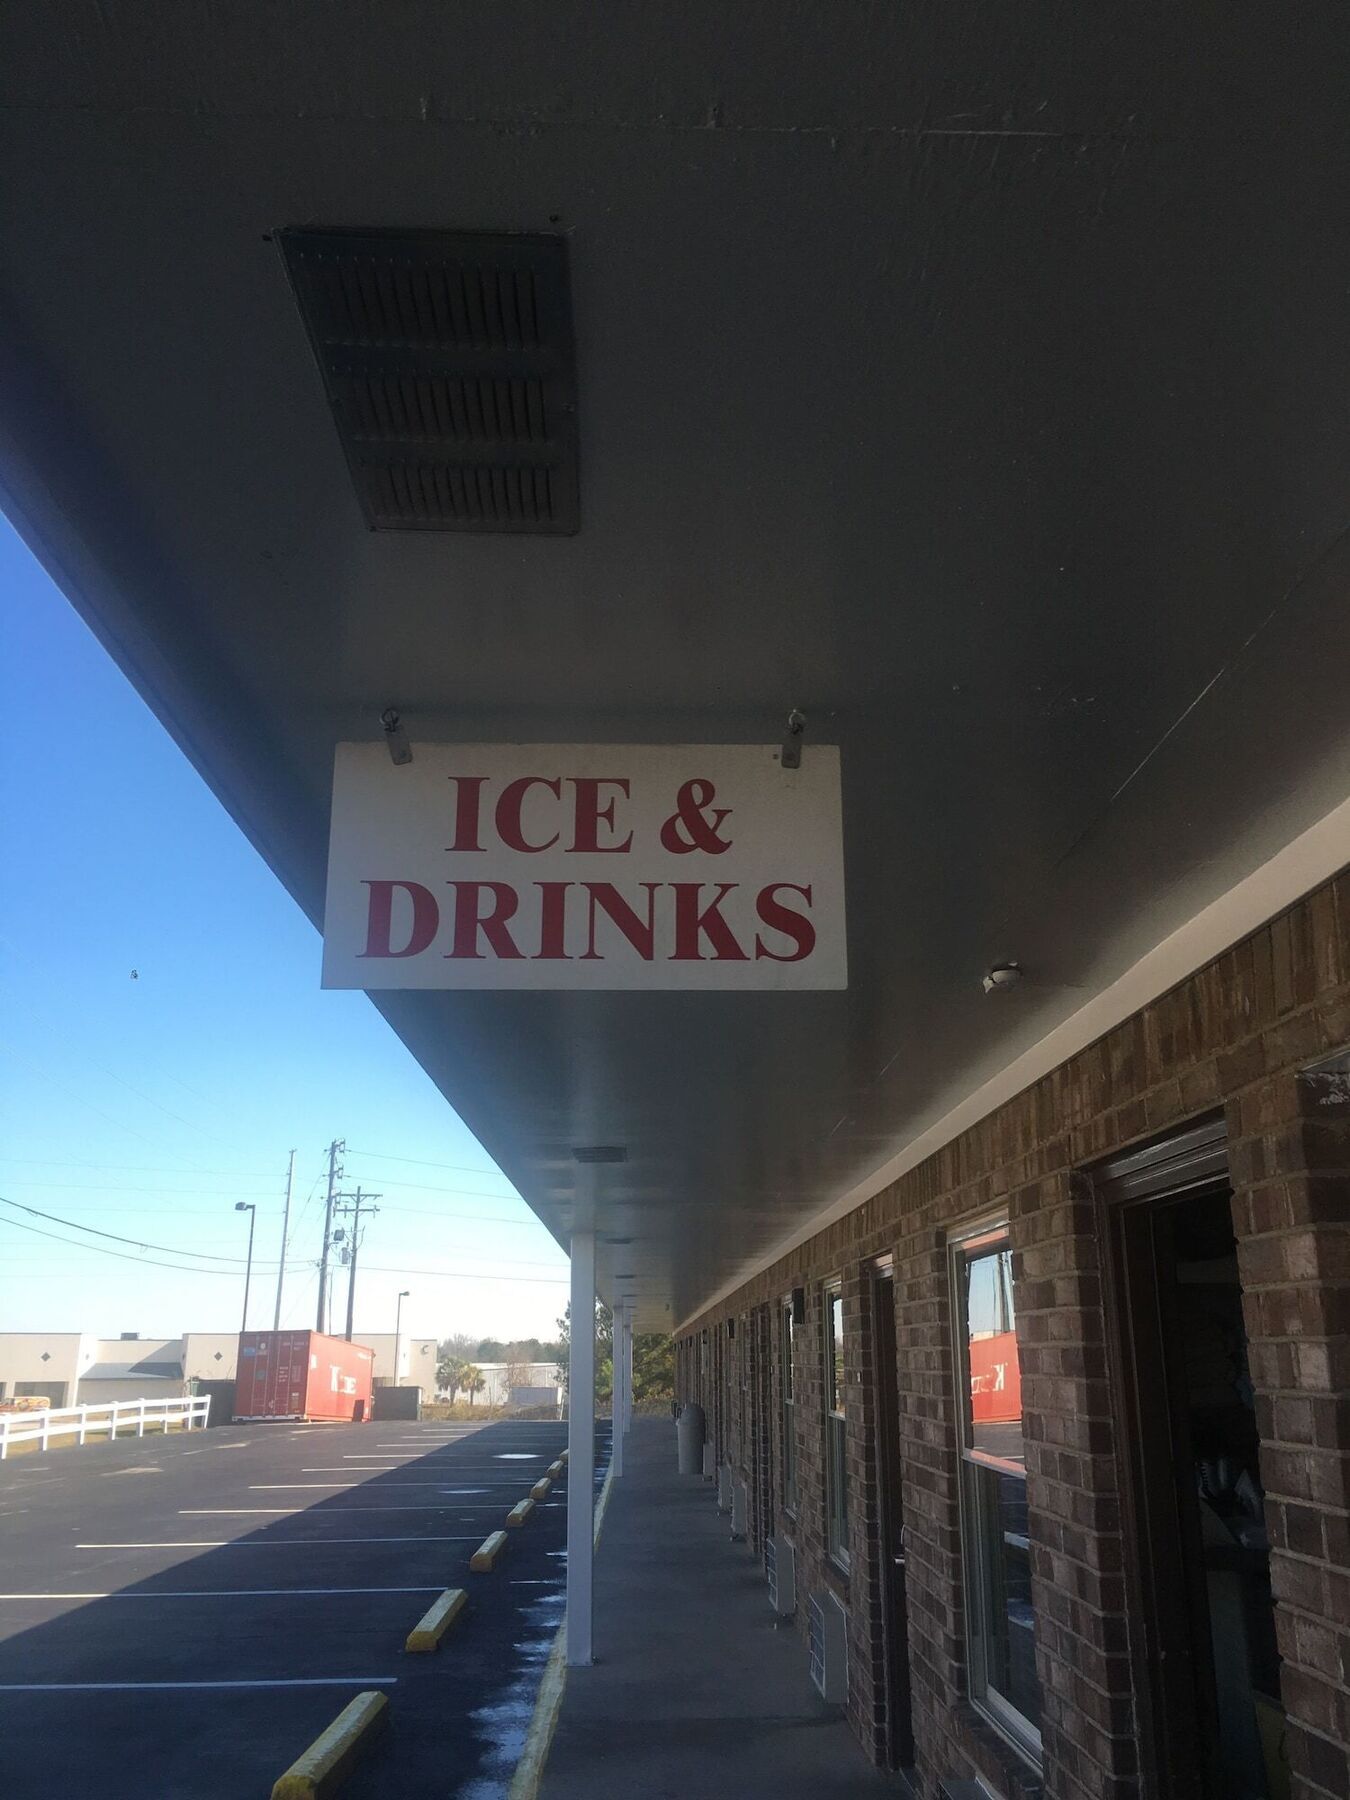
[592,866]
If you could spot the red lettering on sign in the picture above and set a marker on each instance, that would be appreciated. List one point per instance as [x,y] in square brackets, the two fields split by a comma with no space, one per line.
[552,912]
[509,828]
[785,919]
[687,828]
[468,800]
[641,934]
[590,815]
[691,925]
[426,918]
[470,920]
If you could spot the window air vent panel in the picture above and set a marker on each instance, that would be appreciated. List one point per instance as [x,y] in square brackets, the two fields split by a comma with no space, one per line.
[448,362]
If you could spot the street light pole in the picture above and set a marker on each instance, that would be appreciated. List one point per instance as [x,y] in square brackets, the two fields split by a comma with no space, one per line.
[252,1211]
[398,1328]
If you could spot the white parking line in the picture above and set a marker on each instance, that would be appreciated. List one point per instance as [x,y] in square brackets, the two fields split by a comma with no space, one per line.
[239,1512]
[328,1487]
[140,1687]
[223,1593]
[249,1543]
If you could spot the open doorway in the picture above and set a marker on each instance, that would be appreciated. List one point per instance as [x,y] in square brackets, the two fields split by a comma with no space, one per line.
[1206,1627]
[899,1721]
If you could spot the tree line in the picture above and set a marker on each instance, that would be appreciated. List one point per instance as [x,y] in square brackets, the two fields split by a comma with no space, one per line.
[458,1358]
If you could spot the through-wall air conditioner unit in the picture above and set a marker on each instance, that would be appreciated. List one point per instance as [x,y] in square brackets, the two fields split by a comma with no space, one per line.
[740,1511]
[724,1488]
[780,1564]
[829,1648]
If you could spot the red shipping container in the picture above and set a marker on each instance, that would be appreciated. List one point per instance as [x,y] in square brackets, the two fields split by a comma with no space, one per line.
[302,1375]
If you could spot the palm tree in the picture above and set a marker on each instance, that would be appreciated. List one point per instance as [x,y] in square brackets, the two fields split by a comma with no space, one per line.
[450,1374]
[471,1380]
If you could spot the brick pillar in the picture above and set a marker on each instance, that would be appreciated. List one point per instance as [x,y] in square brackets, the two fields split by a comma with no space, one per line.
[1077,1559]
[1290,1157]
[866,1613]
[929,1500]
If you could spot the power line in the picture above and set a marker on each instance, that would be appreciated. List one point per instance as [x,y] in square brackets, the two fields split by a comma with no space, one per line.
[117,1238]
[468,1275]
[230,1274]
[80,1187]
[418,1162]
[50,1162]
[141,1261]
[99,1187]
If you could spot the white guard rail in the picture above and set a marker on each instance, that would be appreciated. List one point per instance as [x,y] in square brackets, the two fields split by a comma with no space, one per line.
[110,1416]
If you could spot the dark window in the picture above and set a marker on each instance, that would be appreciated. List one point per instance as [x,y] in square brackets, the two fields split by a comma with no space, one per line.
[995,1546]
[789,1418]
[836,1468]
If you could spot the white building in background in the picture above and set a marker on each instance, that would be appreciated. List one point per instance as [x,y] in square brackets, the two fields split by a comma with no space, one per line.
[75,1368]
[45,1362]
[517,1383]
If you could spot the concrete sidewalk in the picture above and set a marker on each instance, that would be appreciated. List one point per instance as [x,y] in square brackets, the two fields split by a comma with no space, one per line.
[696,1692]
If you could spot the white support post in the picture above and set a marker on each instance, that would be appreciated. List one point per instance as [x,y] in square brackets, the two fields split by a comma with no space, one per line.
[581,1451]
[627,1369]
[140,1423]
[84,1422]
[616,1397]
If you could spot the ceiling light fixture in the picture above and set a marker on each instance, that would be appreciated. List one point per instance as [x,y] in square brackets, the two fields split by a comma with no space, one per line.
[1002,976]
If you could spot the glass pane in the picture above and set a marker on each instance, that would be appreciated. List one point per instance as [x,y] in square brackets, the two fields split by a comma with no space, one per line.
[838,1489]
[787,1351]
[1010,1662]
[836,1352]
[790,1456]
[995,1423]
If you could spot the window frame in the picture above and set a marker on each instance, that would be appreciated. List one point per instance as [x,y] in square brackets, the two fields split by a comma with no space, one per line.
[977,1528]
[787,1406]
[834,1427]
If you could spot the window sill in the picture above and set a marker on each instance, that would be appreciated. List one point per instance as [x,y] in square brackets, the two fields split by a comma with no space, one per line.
[1019,1765]
[837,1575]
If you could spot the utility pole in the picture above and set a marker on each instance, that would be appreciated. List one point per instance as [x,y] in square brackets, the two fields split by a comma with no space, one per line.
[352,1206]
[285,1232]
[334,1176]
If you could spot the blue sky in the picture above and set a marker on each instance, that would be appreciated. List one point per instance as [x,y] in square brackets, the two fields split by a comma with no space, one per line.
[147,1106]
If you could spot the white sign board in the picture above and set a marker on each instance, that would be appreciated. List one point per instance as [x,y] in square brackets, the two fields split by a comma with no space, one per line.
[593,866]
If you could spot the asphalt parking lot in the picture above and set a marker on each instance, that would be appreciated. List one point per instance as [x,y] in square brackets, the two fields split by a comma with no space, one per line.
[181,1616]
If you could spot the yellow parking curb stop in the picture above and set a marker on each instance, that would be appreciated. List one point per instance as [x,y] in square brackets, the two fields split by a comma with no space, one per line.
[328,1761]
[436,1621]
[488,1551]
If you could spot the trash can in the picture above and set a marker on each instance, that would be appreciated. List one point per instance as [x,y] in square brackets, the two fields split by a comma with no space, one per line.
[689,1429]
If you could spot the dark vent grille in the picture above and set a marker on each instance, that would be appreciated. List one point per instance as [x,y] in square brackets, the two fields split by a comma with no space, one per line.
[449,367]
[601,1153]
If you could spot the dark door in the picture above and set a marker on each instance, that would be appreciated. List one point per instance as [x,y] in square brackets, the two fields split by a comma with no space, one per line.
[1207,1624]
[899,1723]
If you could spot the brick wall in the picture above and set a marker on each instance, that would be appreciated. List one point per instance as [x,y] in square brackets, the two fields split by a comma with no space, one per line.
[1242,1034]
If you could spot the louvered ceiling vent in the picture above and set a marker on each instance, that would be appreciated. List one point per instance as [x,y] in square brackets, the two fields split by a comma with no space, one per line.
[449,367]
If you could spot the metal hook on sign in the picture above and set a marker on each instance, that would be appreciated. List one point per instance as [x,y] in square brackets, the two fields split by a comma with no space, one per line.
[792,744]
[400,749]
